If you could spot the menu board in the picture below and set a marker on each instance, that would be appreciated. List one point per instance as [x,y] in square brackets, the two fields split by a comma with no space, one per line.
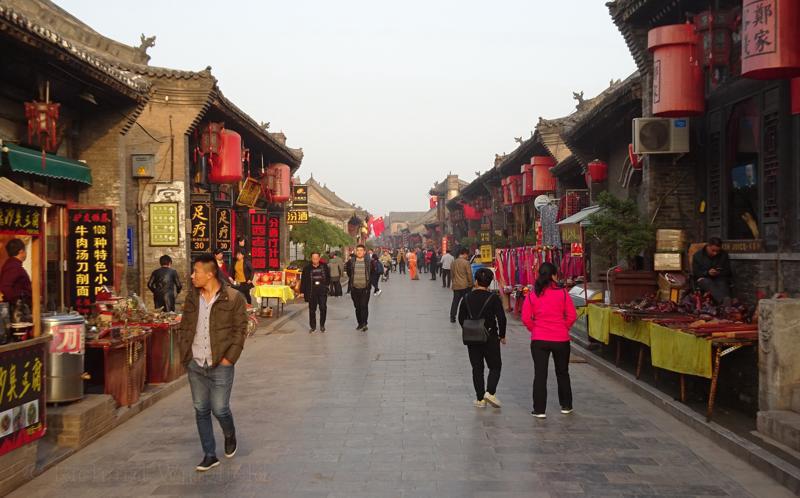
[222,228]
[17,219]
[200,216]
[22,418]
[91,241]
[164,226]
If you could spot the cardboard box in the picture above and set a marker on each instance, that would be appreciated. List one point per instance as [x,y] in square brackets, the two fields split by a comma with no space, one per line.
[668,240]
[668,261]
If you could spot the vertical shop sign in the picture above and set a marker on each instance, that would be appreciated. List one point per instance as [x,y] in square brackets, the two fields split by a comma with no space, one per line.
[164,224]
[129,245]
[22,408]
[91,241]
[274,242]
[201,226]
[760,27]
[258,240]
[222,230]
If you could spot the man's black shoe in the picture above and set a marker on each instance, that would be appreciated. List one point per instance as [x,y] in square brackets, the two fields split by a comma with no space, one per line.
[364,328]
[312,330]
[359,327]
[230,446]
[452,320]
[208,463]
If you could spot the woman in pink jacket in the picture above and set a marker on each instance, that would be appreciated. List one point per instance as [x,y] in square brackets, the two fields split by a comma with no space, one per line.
[548,312]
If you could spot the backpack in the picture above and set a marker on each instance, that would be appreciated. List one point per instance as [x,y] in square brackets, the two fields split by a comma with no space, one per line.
[379,267]
[473,331]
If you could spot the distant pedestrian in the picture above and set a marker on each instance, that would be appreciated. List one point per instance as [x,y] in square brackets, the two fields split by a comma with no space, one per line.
[401,261]
[386,261]
[243,276]
[314,282]
[219,257]
[358,273]
[336,266]
[461,273]
[483,304]
[376,271]
[165,284]
[412,265]
[548,313]
[212,332]
[447,262]
[433,263]
[422,266]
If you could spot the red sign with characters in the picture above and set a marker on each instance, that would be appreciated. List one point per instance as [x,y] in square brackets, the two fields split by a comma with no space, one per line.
[274,242]
[258,240]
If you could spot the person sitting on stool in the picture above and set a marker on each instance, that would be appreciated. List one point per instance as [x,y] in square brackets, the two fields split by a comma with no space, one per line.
[711,269]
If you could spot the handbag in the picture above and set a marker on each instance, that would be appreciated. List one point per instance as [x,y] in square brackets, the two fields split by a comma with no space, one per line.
[473,331]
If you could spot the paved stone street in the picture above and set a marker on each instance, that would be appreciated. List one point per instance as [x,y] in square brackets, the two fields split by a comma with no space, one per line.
[389,413]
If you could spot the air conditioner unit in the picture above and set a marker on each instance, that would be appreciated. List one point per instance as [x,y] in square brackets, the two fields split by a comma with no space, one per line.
[660,135]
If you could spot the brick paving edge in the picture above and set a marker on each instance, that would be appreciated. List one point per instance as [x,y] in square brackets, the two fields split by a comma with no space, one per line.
[779,469]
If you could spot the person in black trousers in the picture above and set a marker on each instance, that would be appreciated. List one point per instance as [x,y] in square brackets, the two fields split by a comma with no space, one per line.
[434,264]
[165,284]
[358,269]
[481,303]
[314,282]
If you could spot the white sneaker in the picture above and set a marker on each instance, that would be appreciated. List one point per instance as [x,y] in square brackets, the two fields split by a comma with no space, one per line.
[566,411]
[492,400]
[479,404]
[539,415]
[379,293]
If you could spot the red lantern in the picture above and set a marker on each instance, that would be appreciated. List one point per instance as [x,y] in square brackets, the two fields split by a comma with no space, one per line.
[278,182]
[515,188]
[796,96]
[211,138]
[42,122]
[678,83]
[596,171]
[715,29]
[770,41]
[542,180]
[470,213]
[527,180]
[226,166]
[505,183]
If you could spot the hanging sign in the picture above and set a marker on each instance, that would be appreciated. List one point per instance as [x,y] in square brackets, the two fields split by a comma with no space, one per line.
[223,229]
[297,216]
[129,245]
[201,226]
[485,237]
[487,252]
[299,196]
[22,220]
[164,224]
[249,193]
[91,241]
[274,242]
[22,408]
[258,240]
[760,28]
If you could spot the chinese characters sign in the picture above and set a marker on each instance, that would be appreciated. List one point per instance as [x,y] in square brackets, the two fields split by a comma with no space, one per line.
[164,224]
[297,217]
[67,338]
[223,228]
[274,242]
[22,418]
[91,241]
[298,214]
[759,23]
[20,219]
[200,216]
[265,230]
[487,253]
[299,196]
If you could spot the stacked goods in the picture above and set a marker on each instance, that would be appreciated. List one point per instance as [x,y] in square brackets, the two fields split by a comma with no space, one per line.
[670,245]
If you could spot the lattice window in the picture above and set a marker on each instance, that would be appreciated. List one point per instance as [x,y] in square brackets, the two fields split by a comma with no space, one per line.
[714,180]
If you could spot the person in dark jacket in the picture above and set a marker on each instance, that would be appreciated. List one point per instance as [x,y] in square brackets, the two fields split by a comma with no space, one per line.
[711,269]
[314,282]
[482,303]
[433,263]
[165,284]
[242,278]
[15,283]
[358,269]
[375,272]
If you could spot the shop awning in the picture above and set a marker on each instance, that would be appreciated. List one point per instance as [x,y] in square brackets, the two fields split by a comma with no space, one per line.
[11,193]
[581,217]
[24,160]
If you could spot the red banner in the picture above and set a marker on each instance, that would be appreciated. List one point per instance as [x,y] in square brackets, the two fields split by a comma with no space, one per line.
[258,240]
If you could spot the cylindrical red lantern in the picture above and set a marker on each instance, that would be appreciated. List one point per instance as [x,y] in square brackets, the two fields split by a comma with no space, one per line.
[527,180]
[796,96]
[678,86]
[279,177]
[542,179]
[770,39]
[506,186]
[596,171]
[226,167]
[515,186]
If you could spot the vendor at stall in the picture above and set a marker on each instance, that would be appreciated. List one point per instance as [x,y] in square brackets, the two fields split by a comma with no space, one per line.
[711,269]
[15,283]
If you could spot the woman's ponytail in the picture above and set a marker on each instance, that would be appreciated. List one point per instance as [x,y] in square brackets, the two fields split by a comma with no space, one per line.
[546,273]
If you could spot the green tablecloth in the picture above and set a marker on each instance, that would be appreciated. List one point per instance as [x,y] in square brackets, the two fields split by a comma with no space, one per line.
[670,349]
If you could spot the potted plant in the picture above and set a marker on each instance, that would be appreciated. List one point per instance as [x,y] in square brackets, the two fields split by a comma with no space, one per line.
[618,231]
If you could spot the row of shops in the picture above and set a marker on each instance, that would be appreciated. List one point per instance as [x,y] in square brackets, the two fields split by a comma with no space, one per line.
[704,139]
[107,164]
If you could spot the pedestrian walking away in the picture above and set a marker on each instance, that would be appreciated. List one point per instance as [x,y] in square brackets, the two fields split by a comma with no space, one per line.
[243,275]
[336,266]
[461,273]
[433,263]
[548,313]
[165,284]
[422,264]
[376,271]
[358,269]
[212,333]
[447,262]
[412,265]
[314,282]
[482,304]
[401,261]
[386,261]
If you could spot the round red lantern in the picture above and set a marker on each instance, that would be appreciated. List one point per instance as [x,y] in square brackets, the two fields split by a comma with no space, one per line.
[279,177]
[796,96]
[226,167]
[596,171]
[678,85]
[770,41]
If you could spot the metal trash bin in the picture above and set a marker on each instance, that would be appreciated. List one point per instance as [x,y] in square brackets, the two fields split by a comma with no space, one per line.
[64,379]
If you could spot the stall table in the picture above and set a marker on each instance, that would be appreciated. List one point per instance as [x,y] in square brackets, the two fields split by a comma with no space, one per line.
[124,365]
[671,349]
[280,293]
[163,352]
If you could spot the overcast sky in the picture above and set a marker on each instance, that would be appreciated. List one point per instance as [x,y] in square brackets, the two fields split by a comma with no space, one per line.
[384,97]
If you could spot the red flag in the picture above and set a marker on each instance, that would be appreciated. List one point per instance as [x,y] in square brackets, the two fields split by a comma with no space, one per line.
[378,226]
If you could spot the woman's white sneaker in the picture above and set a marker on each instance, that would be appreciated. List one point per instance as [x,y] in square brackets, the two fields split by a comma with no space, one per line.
[566,411]
[539,415]
[492,400]
[479,404]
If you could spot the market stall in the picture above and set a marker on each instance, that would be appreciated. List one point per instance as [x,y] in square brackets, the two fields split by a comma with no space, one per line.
[117,359]
[277,285]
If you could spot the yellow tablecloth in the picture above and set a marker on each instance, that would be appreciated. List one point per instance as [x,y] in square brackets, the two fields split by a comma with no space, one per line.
[282,292]
[599,323]
[635,330]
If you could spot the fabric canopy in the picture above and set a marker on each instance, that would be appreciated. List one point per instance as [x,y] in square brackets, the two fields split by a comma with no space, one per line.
[24,160]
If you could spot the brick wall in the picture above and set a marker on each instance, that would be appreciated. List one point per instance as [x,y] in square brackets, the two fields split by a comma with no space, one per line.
[751,277]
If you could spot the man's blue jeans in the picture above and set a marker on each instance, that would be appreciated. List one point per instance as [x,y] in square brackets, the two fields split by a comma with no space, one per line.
[211,393]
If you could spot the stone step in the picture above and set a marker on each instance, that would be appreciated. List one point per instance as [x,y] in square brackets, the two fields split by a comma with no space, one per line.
[780,425]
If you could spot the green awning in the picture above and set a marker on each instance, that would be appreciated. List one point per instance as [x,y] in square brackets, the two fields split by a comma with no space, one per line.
[24,160]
